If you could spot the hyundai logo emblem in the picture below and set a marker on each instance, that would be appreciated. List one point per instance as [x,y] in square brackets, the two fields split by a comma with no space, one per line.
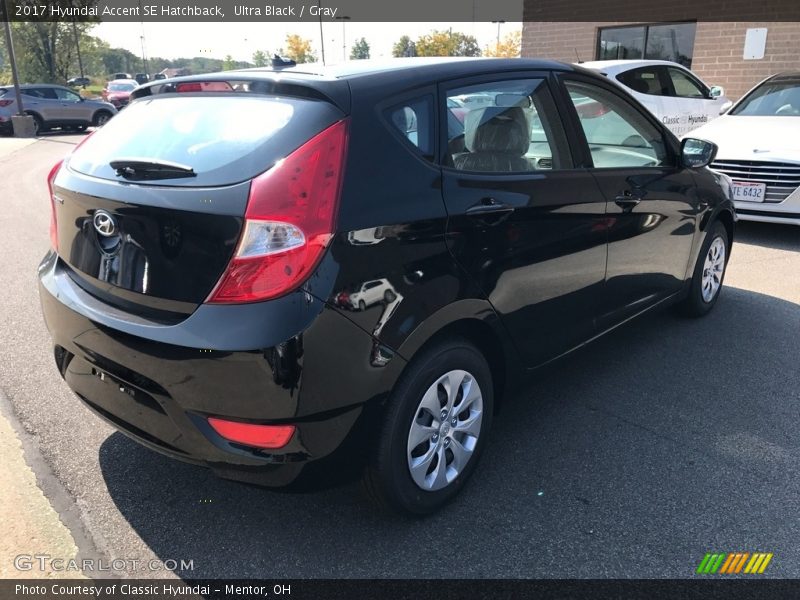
[104,223]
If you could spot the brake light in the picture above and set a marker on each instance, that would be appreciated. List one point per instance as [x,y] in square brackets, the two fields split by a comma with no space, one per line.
[53,221]
[251,434]
[5,102]
[289,221]
[204,86]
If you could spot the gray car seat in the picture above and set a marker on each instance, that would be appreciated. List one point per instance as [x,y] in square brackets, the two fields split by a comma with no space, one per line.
[497,139]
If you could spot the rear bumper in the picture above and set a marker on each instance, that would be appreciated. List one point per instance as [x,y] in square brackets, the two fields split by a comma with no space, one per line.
[161,393]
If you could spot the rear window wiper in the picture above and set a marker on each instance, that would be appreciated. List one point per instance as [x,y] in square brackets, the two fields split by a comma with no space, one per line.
[145,168]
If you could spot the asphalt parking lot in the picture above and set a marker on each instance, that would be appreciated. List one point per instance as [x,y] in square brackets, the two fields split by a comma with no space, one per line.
[634,457]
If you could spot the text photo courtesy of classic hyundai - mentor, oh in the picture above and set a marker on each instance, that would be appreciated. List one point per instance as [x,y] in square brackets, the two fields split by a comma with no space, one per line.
[298,273]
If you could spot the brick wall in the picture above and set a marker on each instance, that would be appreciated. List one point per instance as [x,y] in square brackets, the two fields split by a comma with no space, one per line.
[717,49]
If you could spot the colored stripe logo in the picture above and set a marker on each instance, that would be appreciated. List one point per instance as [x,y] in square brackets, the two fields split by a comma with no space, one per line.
[734,563]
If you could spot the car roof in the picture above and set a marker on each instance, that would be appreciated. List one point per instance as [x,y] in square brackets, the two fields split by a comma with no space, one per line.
[432,66]
[786,76]
[367,78]
[620,66]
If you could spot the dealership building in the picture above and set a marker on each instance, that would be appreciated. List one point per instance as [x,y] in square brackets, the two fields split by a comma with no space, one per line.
[733,54]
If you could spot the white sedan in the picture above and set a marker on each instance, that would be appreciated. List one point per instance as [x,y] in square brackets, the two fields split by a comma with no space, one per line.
[674,94]
[759,149]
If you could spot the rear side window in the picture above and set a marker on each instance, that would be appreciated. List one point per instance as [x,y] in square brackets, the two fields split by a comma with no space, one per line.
[413,119]
[224,138]
[507,126]
[646,80]
[3,92]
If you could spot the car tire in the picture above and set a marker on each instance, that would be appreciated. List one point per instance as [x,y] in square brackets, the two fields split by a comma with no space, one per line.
[422,389]
[80,128]
[362,305]
[389,296]
[101,117]
[709,273]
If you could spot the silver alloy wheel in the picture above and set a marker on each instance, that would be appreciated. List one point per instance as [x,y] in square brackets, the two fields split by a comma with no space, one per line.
[445,430]
[713,269]
[102,119]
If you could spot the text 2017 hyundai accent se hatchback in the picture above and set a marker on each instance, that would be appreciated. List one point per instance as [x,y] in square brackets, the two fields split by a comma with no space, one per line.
[203,240]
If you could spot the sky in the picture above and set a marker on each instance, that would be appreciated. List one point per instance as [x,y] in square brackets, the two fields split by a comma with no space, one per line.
[241,40]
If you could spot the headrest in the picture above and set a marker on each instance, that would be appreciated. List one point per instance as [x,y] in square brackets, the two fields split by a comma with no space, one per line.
[497,129]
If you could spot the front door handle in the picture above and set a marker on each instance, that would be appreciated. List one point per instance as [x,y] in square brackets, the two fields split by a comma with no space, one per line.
[627,200]
[489,206]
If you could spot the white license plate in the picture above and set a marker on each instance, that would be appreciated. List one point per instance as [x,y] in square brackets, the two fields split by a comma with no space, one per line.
[749,191]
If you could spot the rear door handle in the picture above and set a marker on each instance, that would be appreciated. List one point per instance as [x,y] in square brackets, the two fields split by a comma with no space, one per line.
[627,199]
[489,206]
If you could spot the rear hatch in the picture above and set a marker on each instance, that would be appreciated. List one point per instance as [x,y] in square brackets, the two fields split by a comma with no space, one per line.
[150,208]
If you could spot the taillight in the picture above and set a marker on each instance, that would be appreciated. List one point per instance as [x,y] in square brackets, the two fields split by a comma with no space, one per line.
[290,218]
[251,434]
[5,102]
[53,222]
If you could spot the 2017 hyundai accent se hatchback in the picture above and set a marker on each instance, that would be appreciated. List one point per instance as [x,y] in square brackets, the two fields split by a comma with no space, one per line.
[204,240]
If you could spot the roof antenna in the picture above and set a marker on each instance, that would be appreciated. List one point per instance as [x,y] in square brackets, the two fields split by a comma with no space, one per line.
[577,55]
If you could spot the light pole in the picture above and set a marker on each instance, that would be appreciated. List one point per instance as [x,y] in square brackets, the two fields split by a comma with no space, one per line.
[344,41]
[12,58]
[321,37]
[144,57]
[498,32]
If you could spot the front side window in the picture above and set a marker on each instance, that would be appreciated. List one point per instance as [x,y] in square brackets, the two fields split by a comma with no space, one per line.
[504,127]
[617,133]
[67,96]
[684,85]
[670,41]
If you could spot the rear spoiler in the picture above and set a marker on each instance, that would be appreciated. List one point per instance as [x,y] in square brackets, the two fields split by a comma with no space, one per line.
[261,82]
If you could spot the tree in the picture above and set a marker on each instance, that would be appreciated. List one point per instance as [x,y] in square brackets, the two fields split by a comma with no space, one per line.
[260,59]
[360,50]
[509,46]
[404,47]
[46,50]
[299,49]
[447,43]
[228,63]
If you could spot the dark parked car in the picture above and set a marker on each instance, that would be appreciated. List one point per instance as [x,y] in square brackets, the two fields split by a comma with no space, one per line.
[141,78]
[79,82]
[207,240]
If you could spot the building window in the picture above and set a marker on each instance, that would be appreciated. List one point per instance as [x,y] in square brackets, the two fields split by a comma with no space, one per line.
[668,41]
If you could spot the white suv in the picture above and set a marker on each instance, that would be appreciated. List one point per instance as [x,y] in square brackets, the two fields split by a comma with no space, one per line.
[674,94]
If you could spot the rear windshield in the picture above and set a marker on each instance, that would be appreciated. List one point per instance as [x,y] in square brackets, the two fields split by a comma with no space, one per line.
[3,92]
[121,87]
[224,138]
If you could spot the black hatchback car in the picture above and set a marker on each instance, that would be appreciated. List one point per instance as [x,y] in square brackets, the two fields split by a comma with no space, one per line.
[283,274]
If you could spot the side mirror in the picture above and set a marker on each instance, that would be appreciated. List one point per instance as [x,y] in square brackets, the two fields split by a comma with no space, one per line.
[725,107]
[716,91]
[697,153]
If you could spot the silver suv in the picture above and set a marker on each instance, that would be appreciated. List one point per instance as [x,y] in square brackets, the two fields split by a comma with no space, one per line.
[55,106]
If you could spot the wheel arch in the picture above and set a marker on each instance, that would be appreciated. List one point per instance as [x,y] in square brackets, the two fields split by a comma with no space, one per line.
[476,321]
